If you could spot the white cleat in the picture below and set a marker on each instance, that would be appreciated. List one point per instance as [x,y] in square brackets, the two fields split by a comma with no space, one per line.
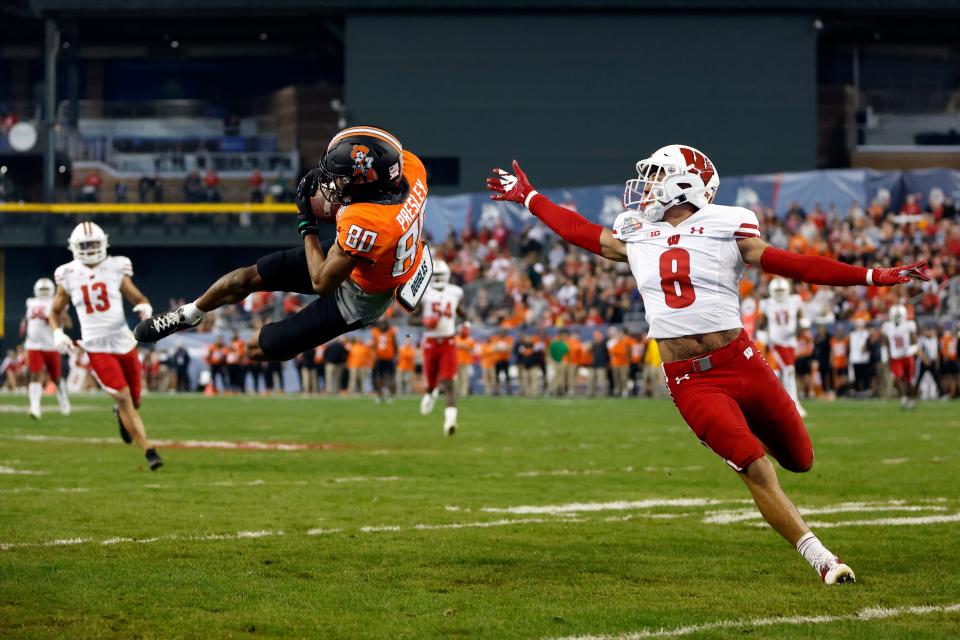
[35,414]
[837,573]
[64,406]
[449,429]
[427,402]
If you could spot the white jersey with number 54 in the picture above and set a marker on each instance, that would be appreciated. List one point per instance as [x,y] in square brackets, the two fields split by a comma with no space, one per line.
[95,294]
[442,303]
[39,333]
[689,275]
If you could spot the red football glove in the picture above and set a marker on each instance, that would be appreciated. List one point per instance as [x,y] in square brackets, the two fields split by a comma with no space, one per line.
[514,187]
[899,274]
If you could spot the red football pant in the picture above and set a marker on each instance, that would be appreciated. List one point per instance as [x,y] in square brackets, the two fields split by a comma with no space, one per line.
[439,360]
[49,360]
[114,371]
[739,409]
[903,368]
[787,354]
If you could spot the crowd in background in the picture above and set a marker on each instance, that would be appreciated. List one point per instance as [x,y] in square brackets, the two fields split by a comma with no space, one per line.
[564,321]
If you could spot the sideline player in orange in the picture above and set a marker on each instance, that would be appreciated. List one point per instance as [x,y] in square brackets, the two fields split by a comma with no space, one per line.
[384,368]
[378,191]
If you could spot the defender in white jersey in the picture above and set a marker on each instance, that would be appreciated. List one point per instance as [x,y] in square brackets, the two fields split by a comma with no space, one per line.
[96,284]
[781,313]
[41,352]
[900,335]
[687,255]
[441,306]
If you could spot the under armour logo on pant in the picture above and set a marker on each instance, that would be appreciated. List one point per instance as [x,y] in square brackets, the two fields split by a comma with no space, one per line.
[679,379]
[748,352]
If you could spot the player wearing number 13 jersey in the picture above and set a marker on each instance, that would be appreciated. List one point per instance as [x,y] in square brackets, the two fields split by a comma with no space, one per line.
[687,255]
[378,253]
[96,284]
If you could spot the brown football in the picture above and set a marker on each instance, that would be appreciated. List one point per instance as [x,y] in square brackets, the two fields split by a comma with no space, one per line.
[323,209]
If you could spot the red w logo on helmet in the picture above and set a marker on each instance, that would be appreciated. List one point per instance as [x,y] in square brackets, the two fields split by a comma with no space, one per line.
[698,164]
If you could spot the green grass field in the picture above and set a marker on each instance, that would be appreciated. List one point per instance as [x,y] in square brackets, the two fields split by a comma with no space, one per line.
[398,532]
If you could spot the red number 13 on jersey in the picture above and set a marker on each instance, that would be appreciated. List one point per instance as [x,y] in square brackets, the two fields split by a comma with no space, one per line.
[101,303]
[675,278]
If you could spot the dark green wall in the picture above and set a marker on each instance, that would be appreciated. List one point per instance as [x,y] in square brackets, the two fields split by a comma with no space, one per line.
[580,98]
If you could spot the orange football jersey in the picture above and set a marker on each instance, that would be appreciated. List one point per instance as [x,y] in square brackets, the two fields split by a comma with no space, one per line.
[386,238]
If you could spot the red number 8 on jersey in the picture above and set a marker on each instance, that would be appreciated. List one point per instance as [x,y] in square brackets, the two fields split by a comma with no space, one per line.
[675,278]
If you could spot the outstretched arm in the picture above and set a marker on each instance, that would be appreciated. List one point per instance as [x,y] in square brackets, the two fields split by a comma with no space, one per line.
[567,224]
[820,270]
[135,297]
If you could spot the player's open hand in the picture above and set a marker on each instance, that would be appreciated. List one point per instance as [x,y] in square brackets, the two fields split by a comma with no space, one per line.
[62,342]
[900,274]
[514,187]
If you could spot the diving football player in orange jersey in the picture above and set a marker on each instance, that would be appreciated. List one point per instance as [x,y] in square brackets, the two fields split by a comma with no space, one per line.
[378,252]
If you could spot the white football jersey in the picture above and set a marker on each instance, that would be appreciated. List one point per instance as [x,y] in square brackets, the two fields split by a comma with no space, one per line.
[689,275]
[782,320]
[39,333]
[859,353]
[899,337]
[95,293]
[443,304]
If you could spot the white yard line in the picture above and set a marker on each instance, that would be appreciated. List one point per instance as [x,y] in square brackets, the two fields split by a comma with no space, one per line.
[251,445]
[740,515]
[10,471]
[620,505]
[864,615]
[888,522]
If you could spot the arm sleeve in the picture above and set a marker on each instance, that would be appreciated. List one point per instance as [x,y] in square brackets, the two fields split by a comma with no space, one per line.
[567,224]
[813,269]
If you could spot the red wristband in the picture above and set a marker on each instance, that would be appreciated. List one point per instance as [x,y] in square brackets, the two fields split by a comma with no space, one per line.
[812,269]
[567,224]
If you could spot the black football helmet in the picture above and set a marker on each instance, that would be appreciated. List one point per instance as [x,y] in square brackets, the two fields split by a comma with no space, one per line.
[362,164]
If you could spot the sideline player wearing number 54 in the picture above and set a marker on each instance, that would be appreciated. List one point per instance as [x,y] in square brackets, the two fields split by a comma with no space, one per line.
[377,192]
[686,255]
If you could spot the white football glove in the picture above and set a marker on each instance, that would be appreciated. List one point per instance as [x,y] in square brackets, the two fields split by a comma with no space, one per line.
[144,309]
[62,342]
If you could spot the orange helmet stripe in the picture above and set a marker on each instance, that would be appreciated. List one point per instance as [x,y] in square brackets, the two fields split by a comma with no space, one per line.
[368,131]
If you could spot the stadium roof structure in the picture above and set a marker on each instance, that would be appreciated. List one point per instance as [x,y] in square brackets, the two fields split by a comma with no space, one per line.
[162,6]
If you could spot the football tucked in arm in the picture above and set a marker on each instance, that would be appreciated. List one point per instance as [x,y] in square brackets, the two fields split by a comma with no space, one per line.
[323,209]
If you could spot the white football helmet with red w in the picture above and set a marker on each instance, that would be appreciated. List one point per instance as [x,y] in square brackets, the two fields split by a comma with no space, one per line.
[88,243]
[671,175]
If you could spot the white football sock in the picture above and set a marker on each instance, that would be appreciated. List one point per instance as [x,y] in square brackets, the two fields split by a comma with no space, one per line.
[814,552]
[191,312]
[35,391]
[62,398]
[449,416]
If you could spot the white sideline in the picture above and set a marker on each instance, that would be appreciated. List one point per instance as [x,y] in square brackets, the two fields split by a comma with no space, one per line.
[864,615]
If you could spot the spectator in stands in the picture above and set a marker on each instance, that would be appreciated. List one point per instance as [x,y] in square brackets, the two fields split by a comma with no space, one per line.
[120,191]
[334,357]
[406,366]
[181,367]
[193,190]
[211,186]
[256,186]
[90,189]
[600,362]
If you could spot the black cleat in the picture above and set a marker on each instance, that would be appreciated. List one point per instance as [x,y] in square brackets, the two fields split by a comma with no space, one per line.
[159,327]
[124,434]
[154,459]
